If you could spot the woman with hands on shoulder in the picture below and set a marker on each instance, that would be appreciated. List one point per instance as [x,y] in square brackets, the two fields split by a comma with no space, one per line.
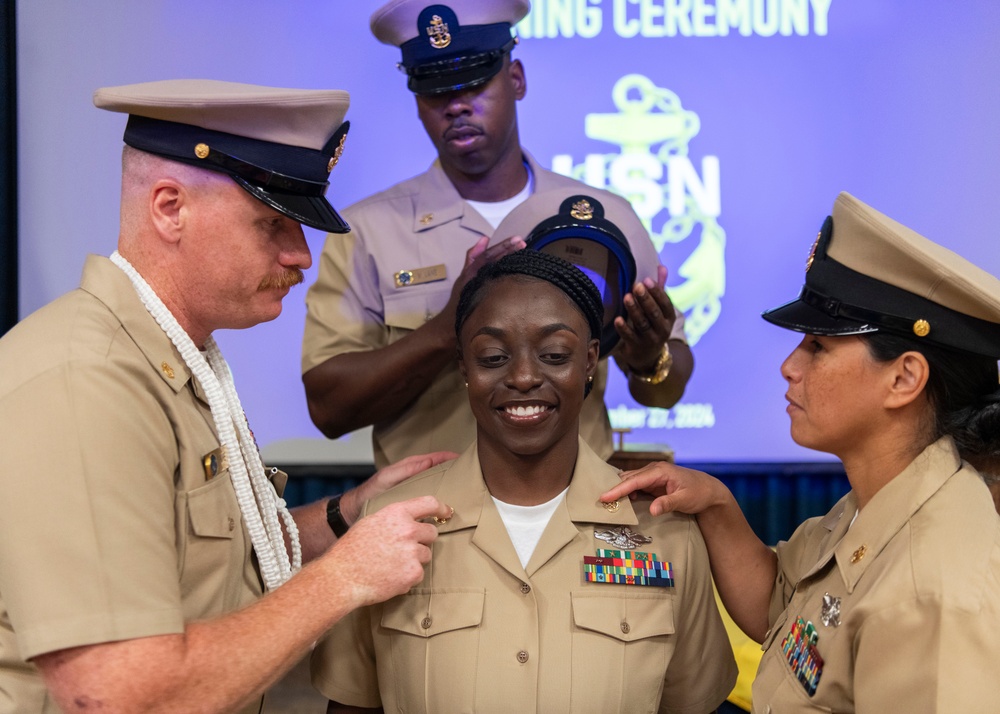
[890,602]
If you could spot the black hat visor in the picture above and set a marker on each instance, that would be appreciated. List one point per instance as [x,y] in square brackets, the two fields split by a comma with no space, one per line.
[451,75]
[312,211]
[800,316]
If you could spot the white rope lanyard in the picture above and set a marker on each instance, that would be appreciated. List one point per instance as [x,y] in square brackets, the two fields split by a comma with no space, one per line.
[258,500]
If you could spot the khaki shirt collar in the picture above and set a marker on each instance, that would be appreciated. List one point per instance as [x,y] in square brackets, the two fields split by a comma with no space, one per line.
[462,487]
[856,547]
[438,201]
[106,282]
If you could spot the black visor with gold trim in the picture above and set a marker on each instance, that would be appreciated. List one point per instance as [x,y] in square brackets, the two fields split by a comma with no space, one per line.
[839,300]
[291,179]
[446,56]
[580,234]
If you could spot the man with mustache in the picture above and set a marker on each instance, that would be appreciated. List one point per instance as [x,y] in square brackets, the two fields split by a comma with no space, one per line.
[140,530]
[379,346]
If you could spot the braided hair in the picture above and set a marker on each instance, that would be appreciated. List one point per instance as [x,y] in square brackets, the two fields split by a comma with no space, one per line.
[535,265]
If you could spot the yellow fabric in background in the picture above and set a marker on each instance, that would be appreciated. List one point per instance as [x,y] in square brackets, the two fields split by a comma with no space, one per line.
[747,653]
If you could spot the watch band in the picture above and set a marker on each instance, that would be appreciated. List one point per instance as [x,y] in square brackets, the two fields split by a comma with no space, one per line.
[663,364]
[335,518]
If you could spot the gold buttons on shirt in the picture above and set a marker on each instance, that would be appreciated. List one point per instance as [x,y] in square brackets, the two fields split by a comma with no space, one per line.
[442,521]
[857,555]
[522,656]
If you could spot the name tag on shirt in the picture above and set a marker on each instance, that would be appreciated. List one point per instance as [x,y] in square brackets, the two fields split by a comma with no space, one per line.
[418,276]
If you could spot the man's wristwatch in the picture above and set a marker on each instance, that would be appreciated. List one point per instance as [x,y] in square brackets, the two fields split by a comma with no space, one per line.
[335,518]
[663,364]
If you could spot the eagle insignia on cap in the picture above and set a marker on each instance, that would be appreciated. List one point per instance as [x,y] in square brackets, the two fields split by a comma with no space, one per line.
[201,150]
[921,328]
[582,210]
[337,153]
[812,252]
[438,31]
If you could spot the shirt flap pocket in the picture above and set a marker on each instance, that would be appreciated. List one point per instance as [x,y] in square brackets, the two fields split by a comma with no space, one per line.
[624,618]
[426,613]
[411,307]
[213,509]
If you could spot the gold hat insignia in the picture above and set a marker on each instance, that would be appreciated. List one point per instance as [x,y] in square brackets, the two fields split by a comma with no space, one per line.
[921,328]
[582,210]
[201,150]
[812,252]
[438,31]
[337,153]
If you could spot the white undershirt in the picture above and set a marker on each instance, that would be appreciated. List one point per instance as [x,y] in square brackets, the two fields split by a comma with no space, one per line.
[525,524]
[495,212]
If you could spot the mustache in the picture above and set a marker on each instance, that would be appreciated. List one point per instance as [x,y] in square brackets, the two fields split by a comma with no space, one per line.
[461,126]
[287,279]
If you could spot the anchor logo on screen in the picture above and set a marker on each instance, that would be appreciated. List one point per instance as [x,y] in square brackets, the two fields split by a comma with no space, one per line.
[674,202]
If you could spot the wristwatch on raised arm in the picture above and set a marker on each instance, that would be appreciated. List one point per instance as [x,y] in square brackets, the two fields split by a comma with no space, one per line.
[663,364]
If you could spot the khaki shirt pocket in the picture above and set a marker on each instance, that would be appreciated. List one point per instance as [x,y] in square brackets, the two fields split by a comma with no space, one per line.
[408,308]
[775,683]
[434,647]
[621,643]
[406,311]
[212,548]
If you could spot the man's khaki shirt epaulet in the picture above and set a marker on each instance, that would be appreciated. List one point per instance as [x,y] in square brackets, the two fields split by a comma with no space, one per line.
[356,305]
[115,524]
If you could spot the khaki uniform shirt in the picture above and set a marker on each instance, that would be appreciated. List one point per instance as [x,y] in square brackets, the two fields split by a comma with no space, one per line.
[355,305]
[111,528]
[482,634]
[911,619]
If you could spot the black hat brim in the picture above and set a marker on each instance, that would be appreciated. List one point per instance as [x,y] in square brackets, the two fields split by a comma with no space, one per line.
[460,75]
[313,211]
[801,317]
